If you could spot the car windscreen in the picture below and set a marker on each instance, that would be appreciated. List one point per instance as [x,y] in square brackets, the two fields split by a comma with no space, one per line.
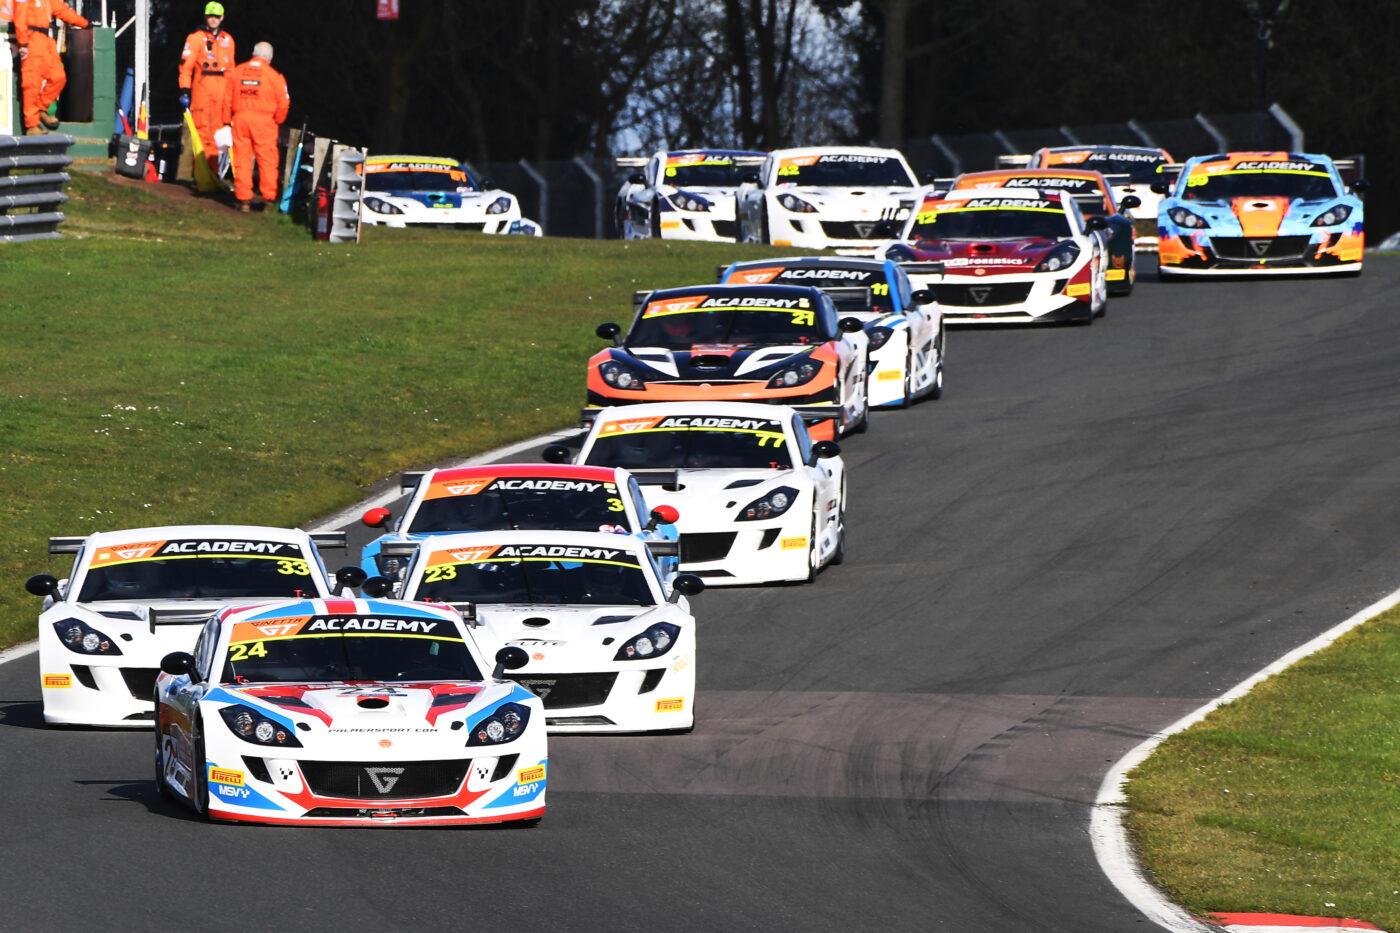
[692,442]
[1140,168]
[523,503]
[837,275]
[1258,183]
[282,570]
[553,574]
[679,322]
[455,181]
[316,657]
[707,171]
[843,170]
[991,219]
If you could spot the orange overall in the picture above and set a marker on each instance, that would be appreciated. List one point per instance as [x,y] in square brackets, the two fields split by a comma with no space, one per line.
[255,103]
[204,64]
[41,71]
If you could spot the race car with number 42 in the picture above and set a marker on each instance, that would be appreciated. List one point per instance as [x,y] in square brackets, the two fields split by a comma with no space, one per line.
[135,595]
[782,344]
[759,500]
[611,644]
[347,712]
[412,191]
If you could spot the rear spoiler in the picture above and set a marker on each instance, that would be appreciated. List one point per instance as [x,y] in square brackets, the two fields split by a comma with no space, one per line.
[1019,160]
[665,548]
[1352,168]
[813,413]
[654,478]
[70,545]
[398,548]
[1118,179]
[630,162]
[720,270]
[468,611]
[750,160]
[639,298]
[587,416]
[923,268]
[409,479]
[328,539]
[852,293]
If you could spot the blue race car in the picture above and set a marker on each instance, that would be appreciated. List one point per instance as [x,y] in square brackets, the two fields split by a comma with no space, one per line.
[1260,212]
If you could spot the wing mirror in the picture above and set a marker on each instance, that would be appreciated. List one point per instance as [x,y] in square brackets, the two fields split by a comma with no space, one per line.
[509,658]
[376,587]
[177,663]
[350,577]
[1161,187]
[923,296]
[42,584]
[1094,224]
[377,518]
[686,584]
[1129,202]
[558,453]
[609,331]
[663,515]
[850,325]
[826,449]
[636,178]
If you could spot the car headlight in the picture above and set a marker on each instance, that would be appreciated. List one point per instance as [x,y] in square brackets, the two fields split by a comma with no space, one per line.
[689,202]
[650,644]
[795,204]
[506,724]
[879,336]
[772,505]
[252,726]
[620,377]
[1333,215]
[1061,257]
[499,206]
[795,374]
[78,636]
[1184,218]
[380,206]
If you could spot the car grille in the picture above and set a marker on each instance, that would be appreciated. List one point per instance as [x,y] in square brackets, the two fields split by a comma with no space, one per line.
[384,780]
[1247,248]
[698,548]
[862,229]
[725,228]
[564,691]
[989,295]
[475,228]
[141,681]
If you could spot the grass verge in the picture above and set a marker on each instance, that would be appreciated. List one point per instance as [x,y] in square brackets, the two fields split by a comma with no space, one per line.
[1288,799]
[172,361]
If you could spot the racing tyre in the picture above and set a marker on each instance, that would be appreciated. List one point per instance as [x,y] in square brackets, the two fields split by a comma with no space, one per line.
[908,397]
[166,793]
[655,220]
[863,425]
[839,556]
[763,236]
[200,797]
[814,555]
[936,392]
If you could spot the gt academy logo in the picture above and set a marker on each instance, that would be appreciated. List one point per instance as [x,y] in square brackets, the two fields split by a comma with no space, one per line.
[733,424]
[626,427]
[1074,184]
[673,306]
[546,485]
[863,159]
[466,556]
[557,551]
[463,487]
[370,624]
[136,550]
[852,275]
[384,779]
[1028,204]
[226,547]
[1276,166]
[754,302]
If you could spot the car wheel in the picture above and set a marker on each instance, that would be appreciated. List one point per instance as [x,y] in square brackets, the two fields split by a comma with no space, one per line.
[165,792]
[908,398]
[199,799]
[763,234]
[863,424]
[655,220]
[814,554]
[840,555]
[936,392]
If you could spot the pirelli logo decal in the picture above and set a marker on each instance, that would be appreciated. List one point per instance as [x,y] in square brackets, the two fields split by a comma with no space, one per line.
[58,680]
[530,775]
[670,705]
[792,544]
[225,776]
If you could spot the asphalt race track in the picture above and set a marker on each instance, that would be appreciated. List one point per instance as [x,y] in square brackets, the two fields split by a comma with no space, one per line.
[1094,531]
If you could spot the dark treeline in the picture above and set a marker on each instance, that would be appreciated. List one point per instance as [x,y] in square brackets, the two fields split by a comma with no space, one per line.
[547,79]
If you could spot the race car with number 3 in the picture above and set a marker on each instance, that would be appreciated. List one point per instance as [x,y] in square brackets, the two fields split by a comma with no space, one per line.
[530,496]
[782,344]
[1261,212]
[135,595]
[1007,255]
[611,644]
[905,327]
[759,500]
[851,197]
[347,712]
[684,195]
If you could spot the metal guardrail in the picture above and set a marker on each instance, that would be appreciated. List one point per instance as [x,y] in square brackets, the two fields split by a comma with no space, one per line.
[31,186]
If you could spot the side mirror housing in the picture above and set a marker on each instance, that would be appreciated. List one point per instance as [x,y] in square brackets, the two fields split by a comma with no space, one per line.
[377,517]
[923,296]
[1161,187]
[1129,202]
[1360,186]
[557,453]
[686,584]
[749,178]
[350,576]
[663,515]
[608,331]
[826,449]
[509,658]
[636,178]
[850,325]
[42,584]
[1093,224]
[177,663]
[377,587]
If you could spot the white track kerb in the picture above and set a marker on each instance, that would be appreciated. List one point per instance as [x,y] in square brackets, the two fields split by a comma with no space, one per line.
[1106,828]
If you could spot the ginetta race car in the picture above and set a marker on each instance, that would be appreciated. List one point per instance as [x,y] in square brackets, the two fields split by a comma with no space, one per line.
[611,645]
[531,496]
[1006,255]
[134,596]
[815,198]
[1093,194]
[783,344]
[905,327]
[347,712]
[1269,212]
[683,195]
[759,500]
[1131,170]
[407,190]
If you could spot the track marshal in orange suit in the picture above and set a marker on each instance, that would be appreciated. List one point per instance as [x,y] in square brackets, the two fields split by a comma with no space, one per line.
[255,104]
[205,62]
[41,70]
